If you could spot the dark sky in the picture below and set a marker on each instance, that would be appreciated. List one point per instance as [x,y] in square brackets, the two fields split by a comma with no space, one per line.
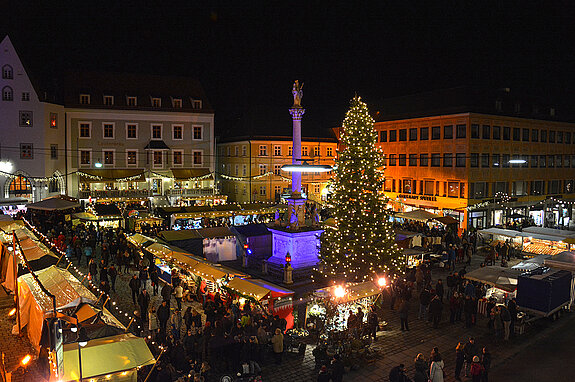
[248,55]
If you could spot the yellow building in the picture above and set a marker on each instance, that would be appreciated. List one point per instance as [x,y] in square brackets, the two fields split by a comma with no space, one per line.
[481,163]
[249,168]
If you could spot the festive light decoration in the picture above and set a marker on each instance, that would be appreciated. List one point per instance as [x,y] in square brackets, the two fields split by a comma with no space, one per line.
[361,242]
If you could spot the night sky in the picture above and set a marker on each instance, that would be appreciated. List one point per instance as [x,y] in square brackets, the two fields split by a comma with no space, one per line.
[248,55]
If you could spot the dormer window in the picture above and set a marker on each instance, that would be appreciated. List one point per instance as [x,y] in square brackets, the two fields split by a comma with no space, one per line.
[498,105]
[7,72]
[156,102]
[109,100]
[7,93]
[132,101]
[197,104]
[552,112]
[84,99]
[177,103]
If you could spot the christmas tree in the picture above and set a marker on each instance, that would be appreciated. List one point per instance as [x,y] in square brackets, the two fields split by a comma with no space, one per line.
[361,243]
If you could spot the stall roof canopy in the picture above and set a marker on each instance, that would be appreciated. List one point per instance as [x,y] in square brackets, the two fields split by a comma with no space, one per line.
[258,289]
[180,235]
[55,203]
[106,355]
[540,235]
[250,230]
[419,215]
[275,290]
[500,232]
[499,277]
[564,260]
[558,233]
[215,232]
[100,175]
[531,264]
[187,173]
[354,291]
[138,239]
[107,209]
[446,220]
[33,251]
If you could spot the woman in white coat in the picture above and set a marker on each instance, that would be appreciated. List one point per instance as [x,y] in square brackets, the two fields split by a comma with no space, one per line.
[436,368]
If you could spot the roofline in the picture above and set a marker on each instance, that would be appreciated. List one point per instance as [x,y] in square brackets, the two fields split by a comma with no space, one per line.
[274,138]
[471,114]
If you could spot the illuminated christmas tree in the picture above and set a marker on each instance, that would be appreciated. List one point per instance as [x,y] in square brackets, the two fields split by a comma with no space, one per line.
[361,243]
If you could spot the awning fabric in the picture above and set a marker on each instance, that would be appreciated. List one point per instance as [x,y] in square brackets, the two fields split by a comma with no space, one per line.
[419,215]
[213,232]
[248,288]
[53,204]
[156,145]
[208,271]
[564,260]
[111,174]
[353,291]
[187,173]
[138,239]
[180,235]
[558,233]
[446,220]
[499,277]
[104,356]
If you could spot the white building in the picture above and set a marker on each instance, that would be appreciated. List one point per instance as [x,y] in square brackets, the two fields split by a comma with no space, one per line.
[31,135]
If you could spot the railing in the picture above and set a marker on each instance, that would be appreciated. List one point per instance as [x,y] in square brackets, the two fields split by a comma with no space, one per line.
[189,191]
[114,194]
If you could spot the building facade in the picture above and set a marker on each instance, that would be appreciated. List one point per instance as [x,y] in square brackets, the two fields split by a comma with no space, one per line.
[31,136]
[481,168]
[249,168]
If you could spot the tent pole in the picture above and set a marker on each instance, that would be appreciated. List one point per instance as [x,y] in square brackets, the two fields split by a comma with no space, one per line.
[15,266]
[153,367]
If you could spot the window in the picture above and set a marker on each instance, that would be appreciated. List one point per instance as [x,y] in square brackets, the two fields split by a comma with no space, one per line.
[543,136]
[53,120]
[553,186]
[403,135]
[388,185]
[534,135]
[304,151]
[277,150]
[196,104]
[496,132]
[383,136]
[85,157]
[132,131]
[178,158]
[558,161]
[537,187]
[516,134]
[505,160]
[519,188]
[534,161]
[567,138]
[244,190]
[461,131]
[448,132]
[197,133]
[460,160]
[25,96]
[526,134]
[478,190]
[278,189]
[474,130]
[329,152]
[290,151]
[26,119]
[435,160]
[424,160]
[263,169]
[393,135]
[550,161]
[108,157]
[559,137]
[572,161]
[262,190]
[486,132]
[177,103]
[392,160]
[53,151]
[236,169]
[473,160]
[484,160]
[402,159]
[277,169]
[84,99]
[263,151]
[156,102]
[500,188]
[436,132]
[496,161]
[132,157]
[407,186]
[506,133]
[158,158]
[7,72]
[551,136]
[413,134]
[108,130]
[428,187]
[236,151]
[447,160]
[244,150]
[156,131]
[413,159]
[244,170]
[316,151]
[453,189]
[177,132]
[424,133]
[568,186]
[542,161]
[109,100]
[132,101]
[20,186]
[197,157]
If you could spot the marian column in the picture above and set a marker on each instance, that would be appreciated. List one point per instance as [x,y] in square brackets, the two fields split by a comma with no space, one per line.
[296,202]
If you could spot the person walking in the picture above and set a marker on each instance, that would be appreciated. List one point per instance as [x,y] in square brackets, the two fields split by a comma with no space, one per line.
[143,276]
[92,270]
[278,345]
[486,362]
[435,308]
[176,323]
[421,369]
[436,368]
[166,293]
[144,303]
[459,359]
[163,314]
[179,294]
[134,287]
[471,350]
[372,322]
[155,278]
[424,300]
[506,319]
[403,314]
[113,273]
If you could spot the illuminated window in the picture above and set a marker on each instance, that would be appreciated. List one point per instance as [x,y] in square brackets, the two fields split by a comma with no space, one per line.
[132,101]
[26,151]
[177,102]
[53,120]
[26,119]
[290,151]
[156,102]
[278,169]
[263,169]
[304,151]
[263,150]
[20,186]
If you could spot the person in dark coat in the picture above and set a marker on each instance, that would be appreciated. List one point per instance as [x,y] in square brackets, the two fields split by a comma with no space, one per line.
[372,323]
[486,362]
[336,369]
[323,375]
[163,314]
[144,303]
[134,287]
[155,278]
[435,308]
[439,290]
[113,273]
[459,360]
[104,274]
[166,293]
[403,314]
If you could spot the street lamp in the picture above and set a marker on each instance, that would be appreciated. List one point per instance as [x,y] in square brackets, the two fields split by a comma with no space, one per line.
[306,167]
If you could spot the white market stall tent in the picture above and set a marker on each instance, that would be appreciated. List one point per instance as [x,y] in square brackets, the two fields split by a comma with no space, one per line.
[498,277]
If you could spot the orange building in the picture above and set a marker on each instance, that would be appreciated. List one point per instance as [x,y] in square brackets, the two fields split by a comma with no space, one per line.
[483,163]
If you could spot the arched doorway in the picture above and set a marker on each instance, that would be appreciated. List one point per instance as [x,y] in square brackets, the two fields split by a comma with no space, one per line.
[20,186]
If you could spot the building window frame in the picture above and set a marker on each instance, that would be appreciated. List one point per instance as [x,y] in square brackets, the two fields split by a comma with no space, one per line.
[178,132]
[154,128]
[81,157]
[83,127]
[26,118]
[197,158]
[85,99]
[197,133]
[108,100]
[107,159]
[131,124]
[53,120]
[128,152]
[178,154]
[107,128]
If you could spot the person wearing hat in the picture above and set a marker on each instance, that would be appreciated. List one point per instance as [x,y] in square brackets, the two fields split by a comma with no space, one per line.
[323,375]
[477,370]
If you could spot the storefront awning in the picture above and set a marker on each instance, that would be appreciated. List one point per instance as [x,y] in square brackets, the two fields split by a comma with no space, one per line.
[248,288]
[102,175]
[447,220]
[53,204]
[190,173]
[419,215]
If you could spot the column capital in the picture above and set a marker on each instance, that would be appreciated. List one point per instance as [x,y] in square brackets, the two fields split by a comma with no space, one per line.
[297,113]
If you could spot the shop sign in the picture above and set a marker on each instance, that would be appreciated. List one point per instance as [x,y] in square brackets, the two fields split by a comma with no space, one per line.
[418,197]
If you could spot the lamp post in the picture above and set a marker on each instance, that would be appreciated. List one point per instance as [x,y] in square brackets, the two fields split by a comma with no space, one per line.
[82,341]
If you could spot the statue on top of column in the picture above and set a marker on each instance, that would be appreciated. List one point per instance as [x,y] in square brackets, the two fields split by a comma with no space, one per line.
[297,92]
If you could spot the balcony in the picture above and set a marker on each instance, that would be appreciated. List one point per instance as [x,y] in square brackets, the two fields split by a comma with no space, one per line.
[114,194]
[187,192]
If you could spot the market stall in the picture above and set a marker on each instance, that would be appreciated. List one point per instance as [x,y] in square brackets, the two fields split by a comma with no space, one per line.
[215,244]
[54,203]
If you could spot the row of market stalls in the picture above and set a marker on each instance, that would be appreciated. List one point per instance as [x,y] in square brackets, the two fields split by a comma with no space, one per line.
[54,307]
[531,241]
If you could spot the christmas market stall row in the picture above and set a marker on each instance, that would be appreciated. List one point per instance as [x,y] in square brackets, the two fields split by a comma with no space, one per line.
[202,277]
[63,320]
